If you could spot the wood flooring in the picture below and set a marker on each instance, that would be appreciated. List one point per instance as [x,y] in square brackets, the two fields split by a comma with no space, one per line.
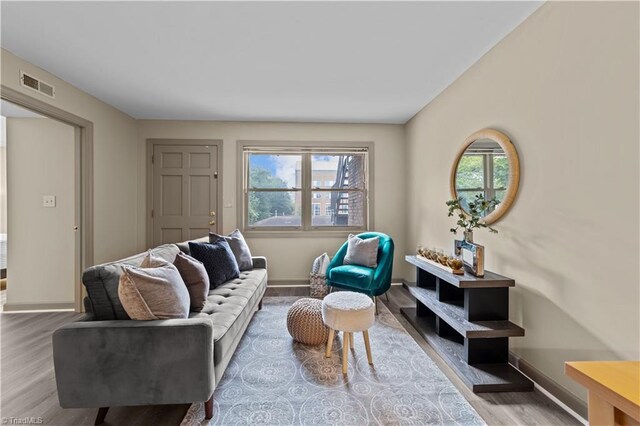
[503,408]
[28,384]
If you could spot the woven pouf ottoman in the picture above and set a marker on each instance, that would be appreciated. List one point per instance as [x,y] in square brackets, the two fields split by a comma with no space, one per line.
[304,322]
[348,312]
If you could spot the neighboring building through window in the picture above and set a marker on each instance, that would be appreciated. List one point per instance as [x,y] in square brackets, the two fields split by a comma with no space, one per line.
[277,197]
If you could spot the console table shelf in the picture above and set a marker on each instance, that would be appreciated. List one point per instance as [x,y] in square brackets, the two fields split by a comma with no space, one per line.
[453,314]
[465,319]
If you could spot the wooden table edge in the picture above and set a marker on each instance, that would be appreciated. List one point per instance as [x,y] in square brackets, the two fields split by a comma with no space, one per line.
[630,408]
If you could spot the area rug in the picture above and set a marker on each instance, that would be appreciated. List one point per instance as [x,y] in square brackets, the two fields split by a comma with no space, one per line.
[272,380]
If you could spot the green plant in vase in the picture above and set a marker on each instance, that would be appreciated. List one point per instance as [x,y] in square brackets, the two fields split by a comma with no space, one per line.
[471,219]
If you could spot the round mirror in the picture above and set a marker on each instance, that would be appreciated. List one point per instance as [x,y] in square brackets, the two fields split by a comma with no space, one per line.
[487,165]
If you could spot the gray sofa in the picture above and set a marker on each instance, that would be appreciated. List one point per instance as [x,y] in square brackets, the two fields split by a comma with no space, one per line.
[105,359]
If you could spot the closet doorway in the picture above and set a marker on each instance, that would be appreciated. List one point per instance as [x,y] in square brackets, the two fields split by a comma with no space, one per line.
[45,173]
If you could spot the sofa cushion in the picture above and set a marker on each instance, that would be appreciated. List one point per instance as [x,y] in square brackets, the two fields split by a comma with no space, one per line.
[184,246]
[218,260]
[152,261]
[228,308]
[238,246]
[101,282]
[195,278]
[153,293]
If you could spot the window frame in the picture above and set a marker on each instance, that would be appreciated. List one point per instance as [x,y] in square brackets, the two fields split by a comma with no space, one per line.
[488,190]
[307,150]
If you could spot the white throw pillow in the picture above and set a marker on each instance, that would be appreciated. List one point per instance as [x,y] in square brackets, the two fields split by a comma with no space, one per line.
[320,264]
[325,264]
[362,252]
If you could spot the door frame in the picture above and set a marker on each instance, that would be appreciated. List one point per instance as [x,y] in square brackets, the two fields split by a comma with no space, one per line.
[151,143]
[83,180]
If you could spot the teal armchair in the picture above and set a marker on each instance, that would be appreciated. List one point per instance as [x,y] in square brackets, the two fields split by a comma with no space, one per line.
[370,281]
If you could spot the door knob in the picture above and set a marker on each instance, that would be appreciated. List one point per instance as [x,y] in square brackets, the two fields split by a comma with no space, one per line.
[212,222]
[212,214]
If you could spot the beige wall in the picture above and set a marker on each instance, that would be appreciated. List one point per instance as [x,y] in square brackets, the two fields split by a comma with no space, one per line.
[3,177]
[40,263]
[115,166]
[290,258]
[564,86]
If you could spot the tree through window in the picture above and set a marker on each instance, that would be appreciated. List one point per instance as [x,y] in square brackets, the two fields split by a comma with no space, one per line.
[304,189]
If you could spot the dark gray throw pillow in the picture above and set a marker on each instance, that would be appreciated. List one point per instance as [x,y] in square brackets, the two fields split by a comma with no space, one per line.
[195,277]
[218,260]
[238,246]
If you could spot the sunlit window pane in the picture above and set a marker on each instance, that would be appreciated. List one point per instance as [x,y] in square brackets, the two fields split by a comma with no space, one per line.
[338,208]
[332,184]
[470,173]
[275,170]
[337,171]
[274,208]
[500,171]
[467,196]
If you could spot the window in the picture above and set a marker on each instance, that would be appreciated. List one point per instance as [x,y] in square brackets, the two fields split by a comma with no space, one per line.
[304,189]
[482,172]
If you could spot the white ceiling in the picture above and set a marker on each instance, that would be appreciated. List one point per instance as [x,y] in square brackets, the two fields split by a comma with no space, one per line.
[378,62]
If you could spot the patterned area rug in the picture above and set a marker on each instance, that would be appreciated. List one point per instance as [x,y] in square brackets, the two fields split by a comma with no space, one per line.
[272,380]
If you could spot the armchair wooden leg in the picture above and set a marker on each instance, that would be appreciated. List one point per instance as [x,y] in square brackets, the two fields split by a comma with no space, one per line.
[332,332]
[102,413]
[351,340]
[260,305]
[208,408]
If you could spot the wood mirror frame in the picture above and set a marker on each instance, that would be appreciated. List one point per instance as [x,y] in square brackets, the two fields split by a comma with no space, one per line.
[514,170]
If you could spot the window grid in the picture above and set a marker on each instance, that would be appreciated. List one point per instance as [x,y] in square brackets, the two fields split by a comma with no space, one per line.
[488,190]
[309,190]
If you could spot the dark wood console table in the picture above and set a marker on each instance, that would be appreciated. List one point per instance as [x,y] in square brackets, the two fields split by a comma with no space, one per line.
[466,320]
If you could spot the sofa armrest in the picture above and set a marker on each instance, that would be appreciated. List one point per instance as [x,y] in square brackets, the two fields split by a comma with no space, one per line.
[116,363]
[259,262]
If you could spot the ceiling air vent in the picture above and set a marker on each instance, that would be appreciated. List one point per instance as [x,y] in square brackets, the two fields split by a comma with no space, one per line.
[37,85]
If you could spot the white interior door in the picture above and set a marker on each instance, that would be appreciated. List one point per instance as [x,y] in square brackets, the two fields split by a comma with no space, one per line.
[185,192]
[41,211]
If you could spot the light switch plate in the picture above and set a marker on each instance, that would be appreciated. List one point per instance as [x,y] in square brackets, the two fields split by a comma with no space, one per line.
[48,201]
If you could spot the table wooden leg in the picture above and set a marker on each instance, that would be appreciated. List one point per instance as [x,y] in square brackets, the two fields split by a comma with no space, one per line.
[330,343]
[345,351]
[601,413]
[351,340]
[367,345]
